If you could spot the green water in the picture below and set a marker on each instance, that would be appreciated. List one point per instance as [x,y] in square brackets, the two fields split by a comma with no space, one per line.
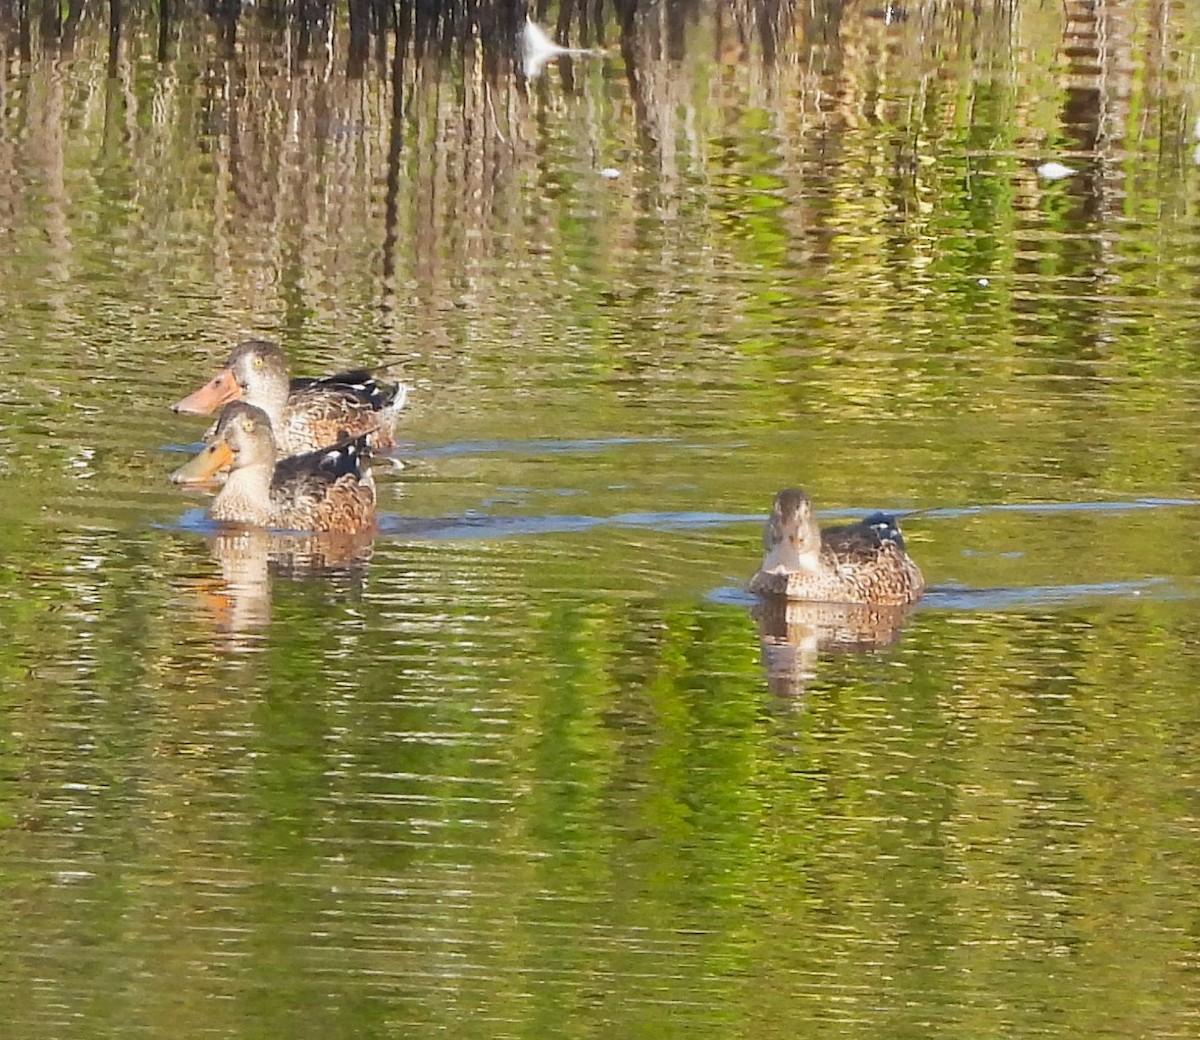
[529,764]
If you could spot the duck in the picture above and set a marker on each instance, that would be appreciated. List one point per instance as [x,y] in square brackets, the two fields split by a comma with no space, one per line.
[863,562]
[308,413]
[329,490]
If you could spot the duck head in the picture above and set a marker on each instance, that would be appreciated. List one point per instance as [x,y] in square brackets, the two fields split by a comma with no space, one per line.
[243,438]
[792,538]
[256,370]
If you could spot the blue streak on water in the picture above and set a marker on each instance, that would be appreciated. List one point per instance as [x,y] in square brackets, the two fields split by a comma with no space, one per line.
[1014,598]
[485,526]
[548,446]
[482,525]
[195,520]
[953,597]
[944,597]
[1048,507]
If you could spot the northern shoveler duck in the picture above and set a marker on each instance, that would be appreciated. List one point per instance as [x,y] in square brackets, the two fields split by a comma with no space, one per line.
[306,414]
[327,490]
[856,563]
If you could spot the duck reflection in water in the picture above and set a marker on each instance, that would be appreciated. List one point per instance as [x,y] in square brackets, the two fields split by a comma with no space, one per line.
[251,558]
[847,588]
[793,633]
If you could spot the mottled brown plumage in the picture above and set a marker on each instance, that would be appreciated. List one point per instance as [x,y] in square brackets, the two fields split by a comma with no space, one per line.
[856,563]
[327,490]
[306,414]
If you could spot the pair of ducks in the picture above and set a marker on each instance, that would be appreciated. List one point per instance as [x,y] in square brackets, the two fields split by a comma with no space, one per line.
[297,452]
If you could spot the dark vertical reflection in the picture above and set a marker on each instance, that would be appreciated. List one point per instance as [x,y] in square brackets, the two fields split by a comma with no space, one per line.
[768,30]
[360,37]
[562,34]
[383,21]
[678,14]
[1080,255]
[23,41]
[566,12]
[9,21]
[74,15]
[824,151]
[114,98]
[51,22]
[627,17]
[1068,273]
[224,14]
[822,21]
[404,35]
[164,29]
[314,18]
[1082,113]
[114,36]
[499,24]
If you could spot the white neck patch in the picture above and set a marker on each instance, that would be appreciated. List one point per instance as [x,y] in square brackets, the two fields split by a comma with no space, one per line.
[786,558]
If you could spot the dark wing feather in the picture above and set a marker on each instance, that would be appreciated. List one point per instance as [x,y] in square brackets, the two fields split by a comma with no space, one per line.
[326,490]
[861,543]
[360,385]
[325,465]
[886,527]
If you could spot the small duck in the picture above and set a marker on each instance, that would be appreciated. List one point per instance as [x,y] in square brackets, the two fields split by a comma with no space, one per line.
[856,563]
[328,490]
[306,414]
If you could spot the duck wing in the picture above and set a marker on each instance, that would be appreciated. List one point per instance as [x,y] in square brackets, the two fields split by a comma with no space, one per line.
[358,386]
[327,490]
[862,542]
[347,458]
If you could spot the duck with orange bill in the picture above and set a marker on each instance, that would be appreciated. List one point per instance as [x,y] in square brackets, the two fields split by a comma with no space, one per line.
[327,490]
[307,413]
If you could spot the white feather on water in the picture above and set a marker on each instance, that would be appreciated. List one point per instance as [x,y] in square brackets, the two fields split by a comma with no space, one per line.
[537,49]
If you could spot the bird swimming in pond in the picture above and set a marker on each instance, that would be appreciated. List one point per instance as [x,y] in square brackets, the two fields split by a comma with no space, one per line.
[306,414]
[327,490]
[864,562]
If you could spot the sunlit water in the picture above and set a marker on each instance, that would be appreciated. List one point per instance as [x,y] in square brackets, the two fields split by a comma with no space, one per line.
[531,762]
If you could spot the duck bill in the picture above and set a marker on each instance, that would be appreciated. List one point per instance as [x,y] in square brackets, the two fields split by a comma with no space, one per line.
[219,390]
[204,466]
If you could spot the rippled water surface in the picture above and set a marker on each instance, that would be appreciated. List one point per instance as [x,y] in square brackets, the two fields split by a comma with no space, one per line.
[530,762]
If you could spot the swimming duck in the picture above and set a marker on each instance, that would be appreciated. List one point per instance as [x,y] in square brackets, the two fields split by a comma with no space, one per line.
[306,414]
[856,563]
[327,490]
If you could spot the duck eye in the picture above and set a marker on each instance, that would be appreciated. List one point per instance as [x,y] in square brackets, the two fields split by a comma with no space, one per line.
[258,362]
[248,425]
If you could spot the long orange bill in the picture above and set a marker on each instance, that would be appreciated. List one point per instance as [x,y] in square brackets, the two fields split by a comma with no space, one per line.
[219,390]
[213,459]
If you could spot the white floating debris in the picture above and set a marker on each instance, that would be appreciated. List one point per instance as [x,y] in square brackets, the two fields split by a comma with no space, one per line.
[1055,171]
[984,282]
[610,173]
